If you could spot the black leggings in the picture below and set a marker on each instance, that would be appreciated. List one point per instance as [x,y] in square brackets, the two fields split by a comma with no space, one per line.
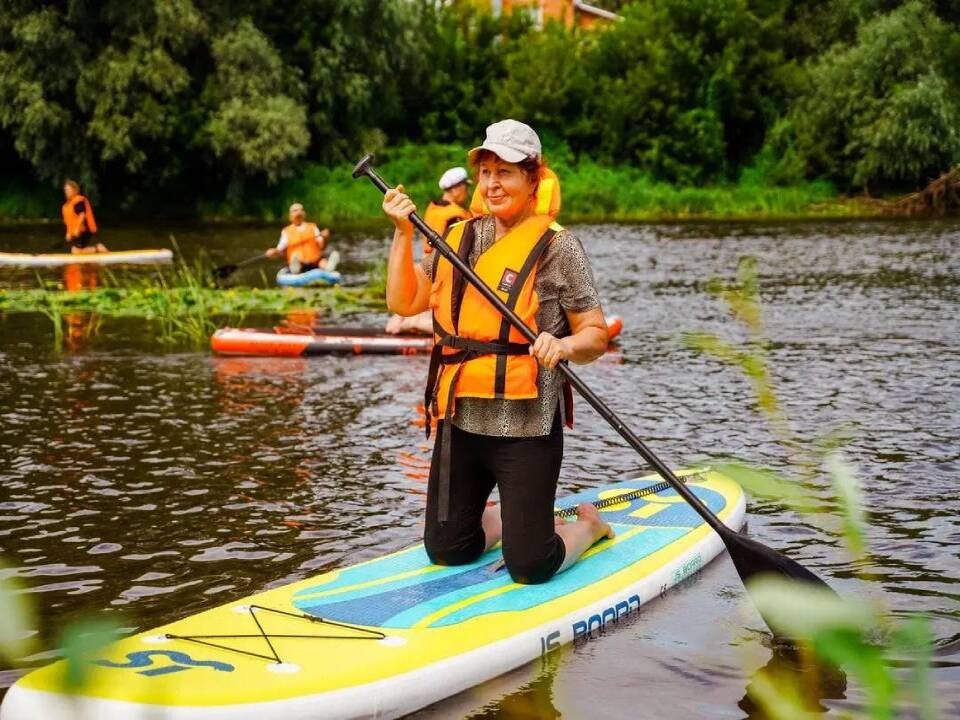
[526,470]
[82,240]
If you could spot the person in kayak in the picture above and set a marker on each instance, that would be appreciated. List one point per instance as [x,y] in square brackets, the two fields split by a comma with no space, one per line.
[500,401]
[440,215]
[302,241]
[78,220]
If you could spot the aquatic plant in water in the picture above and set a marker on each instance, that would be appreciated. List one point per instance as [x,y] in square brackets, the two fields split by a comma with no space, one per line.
[183,303]
[862,638]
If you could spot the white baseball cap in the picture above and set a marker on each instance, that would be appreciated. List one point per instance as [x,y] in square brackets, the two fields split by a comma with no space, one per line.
[296,207]
[453,177]
[510,140]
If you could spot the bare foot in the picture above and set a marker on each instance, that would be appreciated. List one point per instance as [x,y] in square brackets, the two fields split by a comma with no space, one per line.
[394,324]
[587,513]
[101,248]
[492,526]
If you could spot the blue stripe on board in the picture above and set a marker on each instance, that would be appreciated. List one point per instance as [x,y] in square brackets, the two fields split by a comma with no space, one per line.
[405,607]
[403,603]
[580,575]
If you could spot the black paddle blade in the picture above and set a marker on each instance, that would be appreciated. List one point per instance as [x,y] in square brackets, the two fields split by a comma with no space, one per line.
[752,559]
[224,271]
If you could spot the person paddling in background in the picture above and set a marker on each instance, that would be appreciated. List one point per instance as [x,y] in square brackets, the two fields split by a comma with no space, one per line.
[79,221]
[500,401]
[440,215]
[302,241]
[450,208]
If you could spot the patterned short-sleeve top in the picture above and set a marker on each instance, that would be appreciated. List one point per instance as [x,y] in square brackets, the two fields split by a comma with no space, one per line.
[564,282]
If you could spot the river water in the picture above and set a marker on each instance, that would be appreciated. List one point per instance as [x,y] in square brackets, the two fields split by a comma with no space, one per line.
[140,483]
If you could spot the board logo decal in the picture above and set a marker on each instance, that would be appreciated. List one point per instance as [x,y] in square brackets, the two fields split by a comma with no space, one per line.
[179,661]
[507,280]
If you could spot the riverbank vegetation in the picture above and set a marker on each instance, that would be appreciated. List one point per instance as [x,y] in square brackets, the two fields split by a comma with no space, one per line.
[683,108]
[591,191]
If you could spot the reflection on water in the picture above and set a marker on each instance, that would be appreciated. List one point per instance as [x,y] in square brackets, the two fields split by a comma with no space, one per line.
[79,327]
[788,668]
[156,485]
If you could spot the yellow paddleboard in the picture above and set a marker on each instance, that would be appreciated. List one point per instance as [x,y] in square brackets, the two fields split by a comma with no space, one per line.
[386,637]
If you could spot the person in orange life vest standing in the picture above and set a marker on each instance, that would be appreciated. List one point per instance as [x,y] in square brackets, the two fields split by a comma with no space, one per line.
[500,401]
[79,221]
[302,241]
[440,215]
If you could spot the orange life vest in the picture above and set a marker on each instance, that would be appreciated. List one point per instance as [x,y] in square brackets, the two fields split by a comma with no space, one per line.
[477,352]
[75,225]
[439,216]
[302,242]
[481,354]
[547,197]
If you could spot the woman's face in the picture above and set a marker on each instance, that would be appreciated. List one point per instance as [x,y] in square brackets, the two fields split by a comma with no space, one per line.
[505,186]
[69,191]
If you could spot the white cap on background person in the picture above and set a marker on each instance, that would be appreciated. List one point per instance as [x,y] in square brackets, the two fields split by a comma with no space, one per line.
[453,177]
[296,207]
[510,140]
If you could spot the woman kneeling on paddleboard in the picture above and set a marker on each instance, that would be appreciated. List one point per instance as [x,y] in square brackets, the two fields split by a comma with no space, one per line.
[500,401]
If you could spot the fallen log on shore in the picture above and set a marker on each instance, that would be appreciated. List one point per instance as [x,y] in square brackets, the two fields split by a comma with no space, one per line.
[940,197]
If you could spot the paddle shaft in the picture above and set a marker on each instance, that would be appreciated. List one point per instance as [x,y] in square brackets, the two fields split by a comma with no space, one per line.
[579,385]
[255,258]
[224,271]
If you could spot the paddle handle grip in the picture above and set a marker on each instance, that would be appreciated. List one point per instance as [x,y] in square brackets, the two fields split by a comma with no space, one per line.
[364,167]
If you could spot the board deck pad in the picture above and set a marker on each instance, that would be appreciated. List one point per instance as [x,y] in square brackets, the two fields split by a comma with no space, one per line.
[405,590]
[393,634]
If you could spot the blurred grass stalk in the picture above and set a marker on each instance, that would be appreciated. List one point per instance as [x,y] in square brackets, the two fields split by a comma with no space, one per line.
[840,632]
[79,642]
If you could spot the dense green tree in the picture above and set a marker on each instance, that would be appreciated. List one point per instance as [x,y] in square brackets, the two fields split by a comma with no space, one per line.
[547,84]
[253,127]
[885,110]
[134,96]
[129,98]
[40,57]
[683,88]
[467,52]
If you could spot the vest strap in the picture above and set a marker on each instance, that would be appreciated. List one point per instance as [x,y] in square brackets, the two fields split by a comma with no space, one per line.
[479,347]
[467,349]
[500,379]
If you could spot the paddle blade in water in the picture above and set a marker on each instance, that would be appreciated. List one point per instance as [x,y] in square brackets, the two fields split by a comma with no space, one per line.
[753,559]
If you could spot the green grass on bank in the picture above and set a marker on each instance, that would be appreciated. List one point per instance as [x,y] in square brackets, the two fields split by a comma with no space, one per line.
[591,192]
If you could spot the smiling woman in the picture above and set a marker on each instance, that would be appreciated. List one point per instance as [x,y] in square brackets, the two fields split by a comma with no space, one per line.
[499,398]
